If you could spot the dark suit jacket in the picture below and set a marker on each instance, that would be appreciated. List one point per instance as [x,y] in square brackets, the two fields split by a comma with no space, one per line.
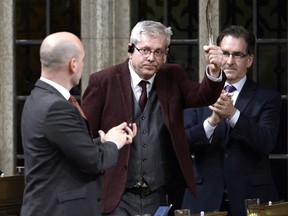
[62,164]
[242,159]
[108,101]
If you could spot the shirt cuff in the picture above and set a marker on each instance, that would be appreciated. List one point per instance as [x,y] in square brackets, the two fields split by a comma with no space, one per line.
[218,79]
[234,118]
[209,130]
[116,143]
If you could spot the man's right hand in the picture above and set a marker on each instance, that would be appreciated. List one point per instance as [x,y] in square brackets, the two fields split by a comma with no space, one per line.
[120,135]
[223,108]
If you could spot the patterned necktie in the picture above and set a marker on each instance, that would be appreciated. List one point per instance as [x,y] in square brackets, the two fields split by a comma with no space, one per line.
[229,88]
[143,96]
[76,104]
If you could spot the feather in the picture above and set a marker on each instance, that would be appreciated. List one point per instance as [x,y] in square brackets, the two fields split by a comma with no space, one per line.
[208,22]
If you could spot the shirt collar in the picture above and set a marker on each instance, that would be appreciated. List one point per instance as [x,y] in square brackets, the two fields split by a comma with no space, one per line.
[61,89]
[135,79]
[239,85]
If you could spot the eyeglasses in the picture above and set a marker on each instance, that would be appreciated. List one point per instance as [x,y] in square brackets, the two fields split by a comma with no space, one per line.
[147,52]
[235,55]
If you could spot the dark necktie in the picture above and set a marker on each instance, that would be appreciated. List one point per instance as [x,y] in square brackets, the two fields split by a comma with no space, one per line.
[76,104]
[143,96]
[229,88]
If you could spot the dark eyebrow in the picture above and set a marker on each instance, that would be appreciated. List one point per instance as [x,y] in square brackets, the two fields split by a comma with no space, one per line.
[235,52]
[238,53]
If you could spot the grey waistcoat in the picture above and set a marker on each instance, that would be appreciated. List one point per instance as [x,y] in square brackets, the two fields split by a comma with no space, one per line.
[148,159]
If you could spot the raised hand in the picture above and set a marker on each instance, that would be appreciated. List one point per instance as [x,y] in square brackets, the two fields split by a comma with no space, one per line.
[214,56]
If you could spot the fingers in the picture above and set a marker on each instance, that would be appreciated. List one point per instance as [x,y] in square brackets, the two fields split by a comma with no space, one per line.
[223,102]
[121,126]
[134,128]
[121,134]
[224,106]
[213,50]
[131,131]
[129,139]
[206,48]
[214,57]
[102,136]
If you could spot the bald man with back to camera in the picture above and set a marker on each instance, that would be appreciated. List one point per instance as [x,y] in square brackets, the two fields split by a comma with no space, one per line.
[63,166]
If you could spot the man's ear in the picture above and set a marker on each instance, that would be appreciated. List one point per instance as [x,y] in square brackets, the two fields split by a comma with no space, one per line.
[72,65]
[250,61]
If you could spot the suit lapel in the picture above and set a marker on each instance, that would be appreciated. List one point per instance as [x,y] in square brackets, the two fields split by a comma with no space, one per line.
[246,95]
[124,86]
[161,87]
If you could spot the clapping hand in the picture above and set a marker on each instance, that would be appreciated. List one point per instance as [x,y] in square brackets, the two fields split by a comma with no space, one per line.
[224,108]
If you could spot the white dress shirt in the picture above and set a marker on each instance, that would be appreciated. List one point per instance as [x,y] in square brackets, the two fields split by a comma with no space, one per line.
[135,80]
[66,94]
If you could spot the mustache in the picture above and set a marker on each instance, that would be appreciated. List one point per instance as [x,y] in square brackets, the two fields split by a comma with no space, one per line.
[149,65]
[229,68]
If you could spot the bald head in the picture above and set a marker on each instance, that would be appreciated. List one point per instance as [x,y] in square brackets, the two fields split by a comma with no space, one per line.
[62,59]
[57,49]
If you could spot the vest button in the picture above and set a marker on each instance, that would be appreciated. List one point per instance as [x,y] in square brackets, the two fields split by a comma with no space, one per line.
[144,145]
[143,118]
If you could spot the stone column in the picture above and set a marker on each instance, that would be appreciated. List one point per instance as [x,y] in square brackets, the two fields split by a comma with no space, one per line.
[203,33]
[105,31]
[7,148]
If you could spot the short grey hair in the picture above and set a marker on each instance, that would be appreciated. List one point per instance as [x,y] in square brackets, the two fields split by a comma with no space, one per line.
[151,28]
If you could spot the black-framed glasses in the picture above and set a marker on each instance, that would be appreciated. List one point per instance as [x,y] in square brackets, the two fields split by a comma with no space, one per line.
[235,55]
[159,53]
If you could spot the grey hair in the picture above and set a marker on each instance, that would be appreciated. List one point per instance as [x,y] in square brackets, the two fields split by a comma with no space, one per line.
[151,28]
